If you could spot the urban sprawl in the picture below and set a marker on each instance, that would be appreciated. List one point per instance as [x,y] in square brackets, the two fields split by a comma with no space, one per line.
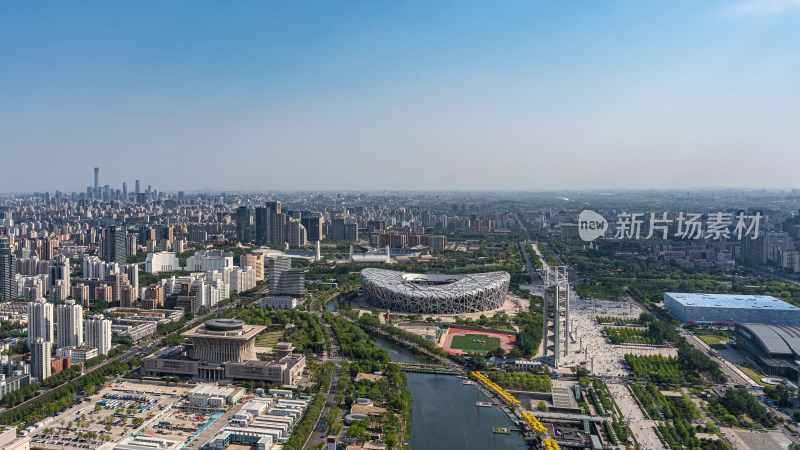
[143,319]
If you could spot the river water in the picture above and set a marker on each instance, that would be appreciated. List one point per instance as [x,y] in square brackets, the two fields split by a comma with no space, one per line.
[445,415]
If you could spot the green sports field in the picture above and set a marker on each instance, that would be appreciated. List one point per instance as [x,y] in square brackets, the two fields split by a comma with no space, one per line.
[465,343]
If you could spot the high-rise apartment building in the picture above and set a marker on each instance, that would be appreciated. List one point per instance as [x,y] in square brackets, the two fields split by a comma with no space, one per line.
[8,285]
[153,297]
[80,292]
[40,321]
[40,358]
[69,327]
[59,269]
[98,333]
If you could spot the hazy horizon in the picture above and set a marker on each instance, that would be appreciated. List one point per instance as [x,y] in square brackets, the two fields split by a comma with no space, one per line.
[406,96]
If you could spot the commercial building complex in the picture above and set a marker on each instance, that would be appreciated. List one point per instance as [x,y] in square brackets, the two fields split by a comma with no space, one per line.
[435,294]
[727,308]
[260,423]
[283,280]
[224,349]
[776,349]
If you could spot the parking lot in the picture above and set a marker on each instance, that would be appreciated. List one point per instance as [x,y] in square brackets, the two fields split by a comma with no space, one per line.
[118,409]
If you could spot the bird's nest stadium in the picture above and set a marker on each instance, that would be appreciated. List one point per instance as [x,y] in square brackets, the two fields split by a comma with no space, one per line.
[435,294]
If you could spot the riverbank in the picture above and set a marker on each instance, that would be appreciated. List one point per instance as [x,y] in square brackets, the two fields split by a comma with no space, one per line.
[445,414]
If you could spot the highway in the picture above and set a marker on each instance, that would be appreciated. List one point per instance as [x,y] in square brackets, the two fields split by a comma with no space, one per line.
[319,435]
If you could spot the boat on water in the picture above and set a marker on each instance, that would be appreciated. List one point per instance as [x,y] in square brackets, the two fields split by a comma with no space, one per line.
[469,382]
[483,403]
[500,430]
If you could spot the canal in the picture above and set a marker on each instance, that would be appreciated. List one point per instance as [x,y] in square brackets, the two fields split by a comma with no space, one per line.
[445,415]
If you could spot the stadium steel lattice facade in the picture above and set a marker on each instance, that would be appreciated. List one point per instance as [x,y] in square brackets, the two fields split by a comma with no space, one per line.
[435,294]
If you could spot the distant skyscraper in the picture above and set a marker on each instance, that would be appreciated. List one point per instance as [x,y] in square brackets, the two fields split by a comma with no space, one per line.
[295,233]
[40,358]
[262,225]
[7,271]
[138,188]
[243,224]
[342,230]
[69,327]
[124,191]
[115,245]
[313,226]
[40,321]
[96,190]
[98,333]
[277,224]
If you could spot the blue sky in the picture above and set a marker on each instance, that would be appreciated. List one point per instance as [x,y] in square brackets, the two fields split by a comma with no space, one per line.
[400,95]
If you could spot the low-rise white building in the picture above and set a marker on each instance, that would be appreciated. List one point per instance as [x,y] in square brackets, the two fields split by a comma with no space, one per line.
[77,354]
[211,396]
[9,440]
[278,302]
[143,442]
[162,262]
[204,260]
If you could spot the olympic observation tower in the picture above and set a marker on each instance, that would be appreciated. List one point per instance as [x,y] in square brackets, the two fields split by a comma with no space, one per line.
[556,316]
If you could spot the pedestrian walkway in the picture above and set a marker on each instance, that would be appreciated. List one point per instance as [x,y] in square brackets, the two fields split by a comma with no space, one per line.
[642,427]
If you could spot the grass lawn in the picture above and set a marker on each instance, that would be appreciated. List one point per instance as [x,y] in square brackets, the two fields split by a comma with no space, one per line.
[714,341]
[754,375]
[466,343]
[268,338]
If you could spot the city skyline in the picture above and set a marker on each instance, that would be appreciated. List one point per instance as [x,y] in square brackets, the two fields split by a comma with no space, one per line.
[413,95]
